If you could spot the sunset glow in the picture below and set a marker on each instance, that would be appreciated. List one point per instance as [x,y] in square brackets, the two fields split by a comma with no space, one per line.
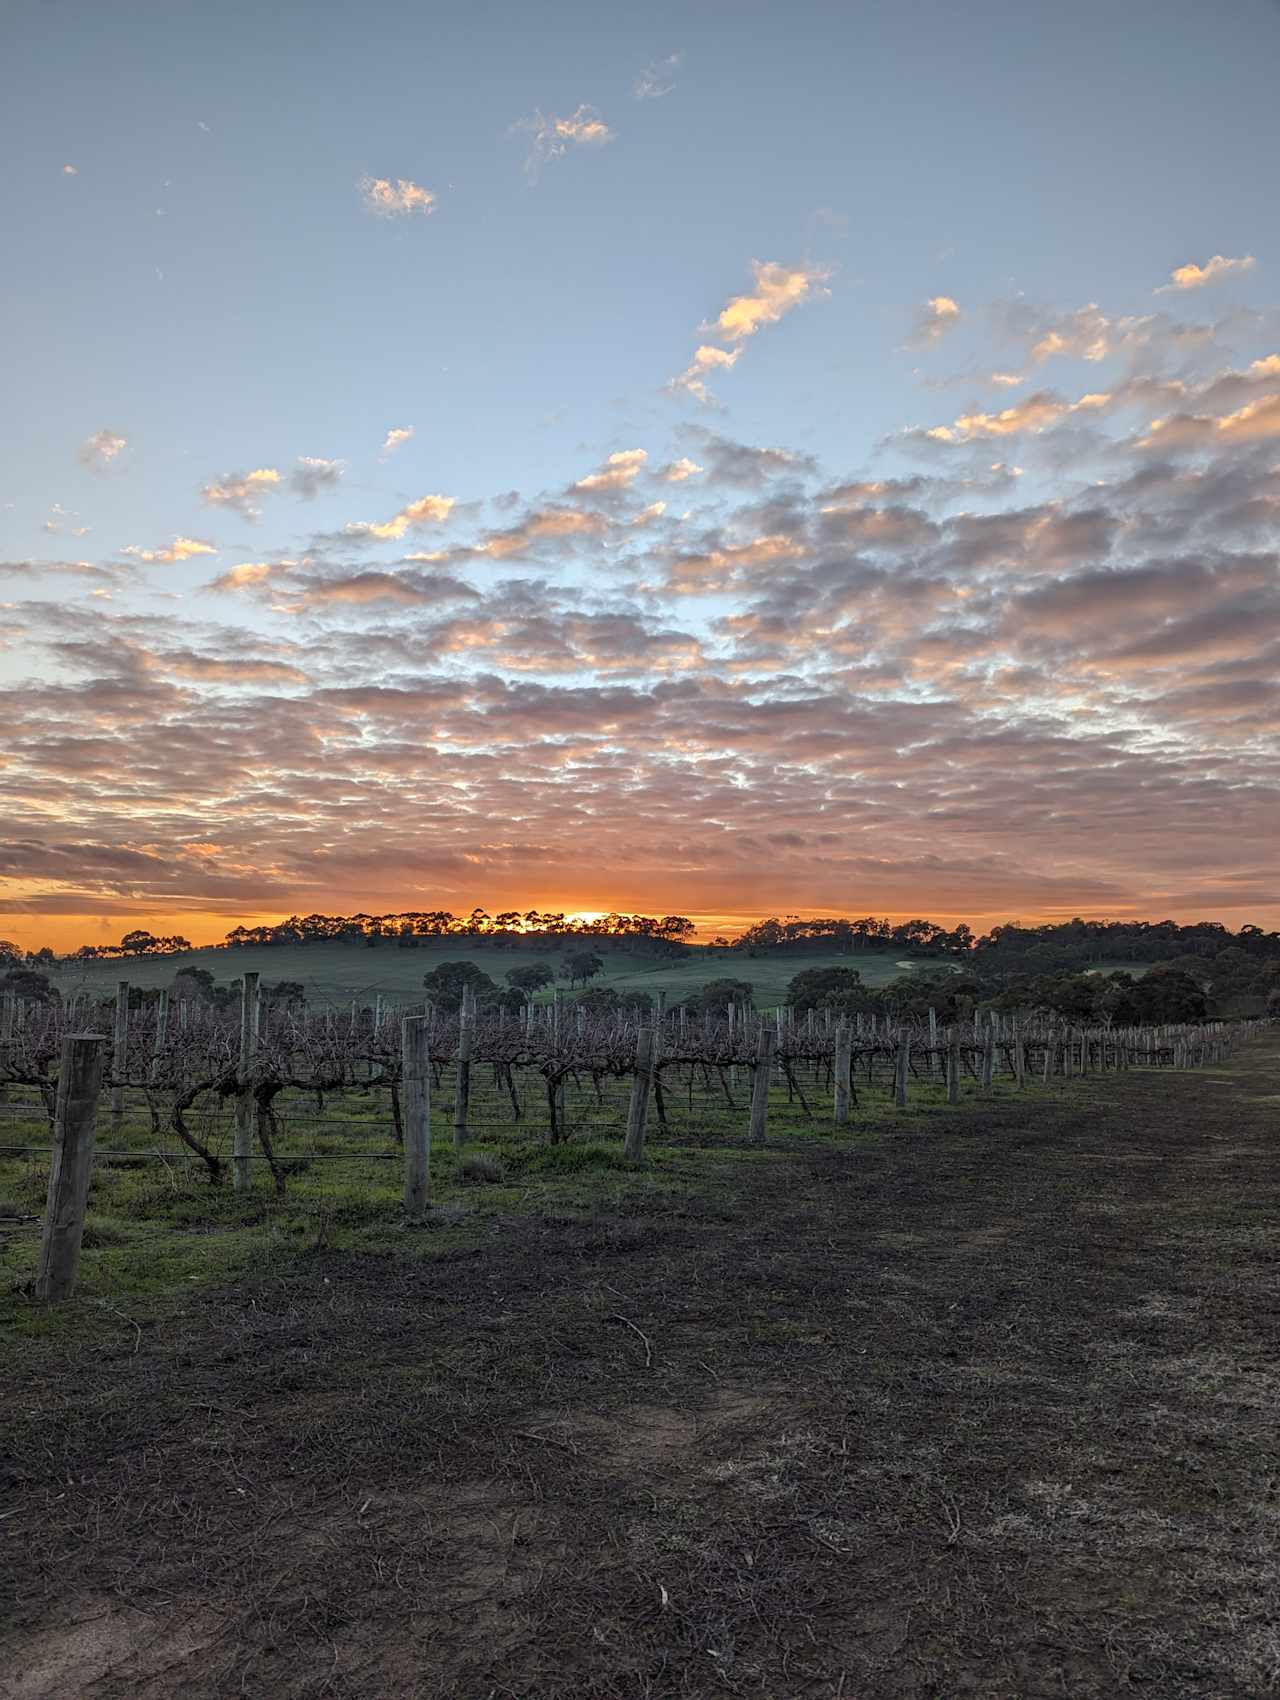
[560,472]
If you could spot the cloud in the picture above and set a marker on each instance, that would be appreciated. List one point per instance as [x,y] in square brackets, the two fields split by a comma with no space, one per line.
[241,490]
[552,137]
[778,290]
[212,669]
[427,510]
[70,171]
[1192,276]
[939,315]
[393,200]
[1035,414]
[407,589]
[539,526]
[730,462]
[247,575]
[181,549]
[105,572]
[655,80]
[619,471]
[707,358]
[58,519]
[925,686]
[1257,421]
[676,471]
[395,436]
[312,474]
[102,448]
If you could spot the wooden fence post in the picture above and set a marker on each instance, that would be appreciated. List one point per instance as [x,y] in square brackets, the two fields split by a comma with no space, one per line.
[415,1059]
[843,1066]
[462,1093]
[246,1106]
[953,1066]
[760,1084]
[988,1057]
[162,1031]
[119,1055]
[638,1109]
[74,1126]
[902,1067]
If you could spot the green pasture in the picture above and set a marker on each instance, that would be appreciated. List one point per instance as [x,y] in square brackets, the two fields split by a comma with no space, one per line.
[339,972]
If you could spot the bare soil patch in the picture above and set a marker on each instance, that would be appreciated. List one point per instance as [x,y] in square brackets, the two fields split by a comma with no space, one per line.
[986,1409]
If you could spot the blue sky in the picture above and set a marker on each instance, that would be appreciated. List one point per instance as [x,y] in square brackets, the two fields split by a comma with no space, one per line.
[212,284]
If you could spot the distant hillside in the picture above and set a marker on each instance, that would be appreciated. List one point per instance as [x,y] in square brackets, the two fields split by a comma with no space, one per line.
[339,972]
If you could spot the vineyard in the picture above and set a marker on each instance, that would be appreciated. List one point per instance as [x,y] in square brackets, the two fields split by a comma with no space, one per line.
[520,1353]
[373,1112]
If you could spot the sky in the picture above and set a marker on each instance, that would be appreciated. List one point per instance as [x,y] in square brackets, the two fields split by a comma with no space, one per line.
[730,459]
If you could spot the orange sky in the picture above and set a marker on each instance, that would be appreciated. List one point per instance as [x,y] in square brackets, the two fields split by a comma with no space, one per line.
[65,933]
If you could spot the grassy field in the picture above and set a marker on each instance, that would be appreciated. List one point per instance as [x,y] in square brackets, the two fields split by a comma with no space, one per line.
[342,971]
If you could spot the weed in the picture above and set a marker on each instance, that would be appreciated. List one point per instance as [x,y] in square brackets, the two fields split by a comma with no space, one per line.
[480,1168]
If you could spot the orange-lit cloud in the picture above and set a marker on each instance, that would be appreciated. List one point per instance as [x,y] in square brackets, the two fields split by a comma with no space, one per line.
[550,137]
[676,471]
[1192,276]
[181,549]
[778,291]
[618,471]
[427,510]
[242,491]
[389,199]
[939,315]
[397,435]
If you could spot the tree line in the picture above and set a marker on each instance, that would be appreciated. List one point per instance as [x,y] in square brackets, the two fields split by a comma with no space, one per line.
[1010,948]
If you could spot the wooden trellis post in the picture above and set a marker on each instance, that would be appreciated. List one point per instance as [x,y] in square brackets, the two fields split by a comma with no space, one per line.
[760,1084]
[843,1066]
[902,1069]
[74,1127]
[416,1091]
[246,1105]
[119,1055]
[462,1094]
[638,1109]
[162,1032]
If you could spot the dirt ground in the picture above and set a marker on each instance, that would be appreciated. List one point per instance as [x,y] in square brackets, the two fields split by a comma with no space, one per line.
[984,1410]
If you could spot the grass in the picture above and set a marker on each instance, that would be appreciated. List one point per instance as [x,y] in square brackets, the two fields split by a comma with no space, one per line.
[156,1228]
[338,972]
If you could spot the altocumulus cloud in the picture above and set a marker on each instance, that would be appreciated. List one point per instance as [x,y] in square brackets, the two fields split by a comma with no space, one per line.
[242,491]
[312,475]
[181,549]
[427,510]
[102,448]
[1216,270]
[886,682]
[397,435]
[550,137]
[778,290]
[387,199]
[939,315]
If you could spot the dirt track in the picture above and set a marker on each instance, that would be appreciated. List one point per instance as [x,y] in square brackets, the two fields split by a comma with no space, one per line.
[989,1411]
